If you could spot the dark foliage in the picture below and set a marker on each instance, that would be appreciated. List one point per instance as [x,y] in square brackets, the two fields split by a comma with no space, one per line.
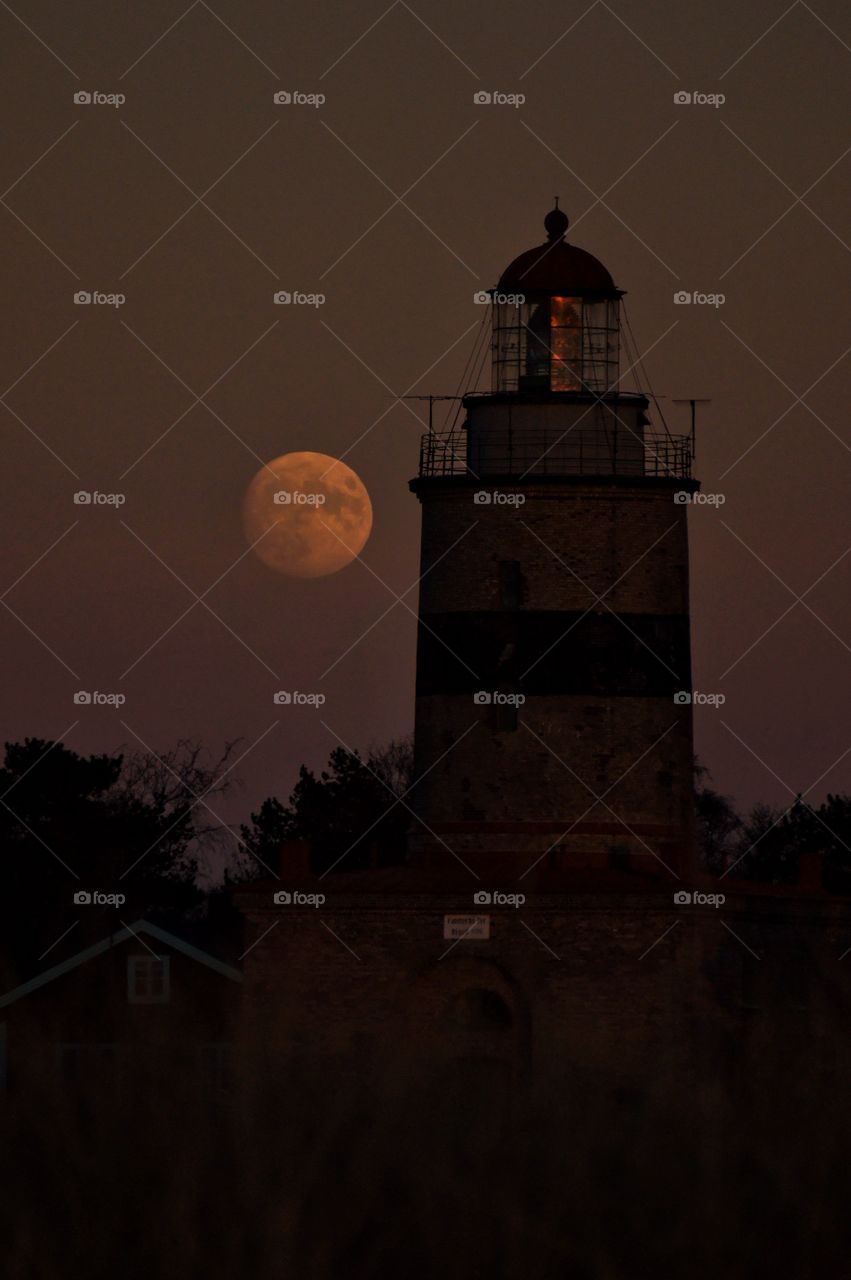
[350,813]
[131,824]
[767,844]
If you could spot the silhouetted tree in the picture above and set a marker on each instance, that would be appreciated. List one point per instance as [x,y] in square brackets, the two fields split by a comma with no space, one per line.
[835,837]
[718,823]
[767,844]
[348,813]
[262,839]
[125,823]
[772,841]
[770,844]
[394,764]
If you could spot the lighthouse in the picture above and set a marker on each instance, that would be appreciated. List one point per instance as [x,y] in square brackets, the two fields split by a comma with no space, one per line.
[553,727]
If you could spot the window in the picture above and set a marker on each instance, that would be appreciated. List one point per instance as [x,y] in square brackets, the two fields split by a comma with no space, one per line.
[148,979]
[479,1009]
[556,343]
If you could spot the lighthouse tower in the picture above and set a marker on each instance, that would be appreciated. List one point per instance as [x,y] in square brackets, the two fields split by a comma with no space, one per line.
[553,719]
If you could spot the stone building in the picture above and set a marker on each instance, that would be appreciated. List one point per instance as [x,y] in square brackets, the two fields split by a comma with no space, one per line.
[551,920]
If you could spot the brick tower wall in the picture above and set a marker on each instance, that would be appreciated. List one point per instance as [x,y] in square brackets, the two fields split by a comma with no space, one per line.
[507,602]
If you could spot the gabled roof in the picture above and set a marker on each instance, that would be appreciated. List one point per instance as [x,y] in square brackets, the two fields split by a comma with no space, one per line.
[126,933]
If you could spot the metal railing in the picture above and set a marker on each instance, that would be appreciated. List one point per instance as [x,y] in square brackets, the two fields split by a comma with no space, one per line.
[538,453]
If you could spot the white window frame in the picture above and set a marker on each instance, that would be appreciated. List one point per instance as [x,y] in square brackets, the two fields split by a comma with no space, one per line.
[143,964]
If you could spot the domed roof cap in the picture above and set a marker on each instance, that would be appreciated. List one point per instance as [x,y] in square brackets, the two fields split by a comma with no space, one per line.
[557,267]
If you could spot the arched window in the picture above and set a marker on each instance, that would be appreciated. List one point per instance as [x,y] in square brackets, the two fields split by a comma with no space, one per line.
[480,1009]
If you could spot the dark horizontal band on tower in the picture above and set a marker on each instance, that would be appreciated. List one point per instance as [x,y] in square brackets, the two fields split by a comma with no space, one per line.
[540,653]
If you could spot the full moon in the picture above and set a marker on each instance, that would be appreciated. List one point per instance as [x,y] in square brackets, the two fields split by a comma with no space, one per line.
[307,515]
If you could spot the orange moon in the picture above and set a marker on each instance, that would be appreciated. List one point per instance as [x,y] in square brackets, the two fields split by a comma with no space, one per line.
[307,515]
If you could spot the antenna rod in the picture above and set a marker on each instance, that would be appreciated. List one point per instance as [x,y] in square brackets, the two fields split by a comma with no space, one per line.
[431,400]
[693,401]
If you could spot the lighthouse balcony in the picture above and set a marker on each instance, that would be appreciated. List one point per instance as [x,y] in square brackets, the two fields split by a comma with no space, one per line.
[576,452]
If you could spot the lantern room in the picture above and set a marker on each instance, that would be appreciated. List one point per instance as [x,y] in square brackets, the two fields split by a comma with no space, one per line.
[555,319]
[556,407]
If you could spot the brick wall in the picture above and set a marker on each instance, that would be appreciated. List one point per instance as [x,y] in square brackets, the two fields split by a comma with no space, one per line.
[627,542]
[624,983]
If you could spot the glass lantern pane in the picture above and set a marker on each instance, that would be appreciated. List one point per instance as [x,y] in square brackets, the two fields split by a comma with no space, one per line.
[566,344]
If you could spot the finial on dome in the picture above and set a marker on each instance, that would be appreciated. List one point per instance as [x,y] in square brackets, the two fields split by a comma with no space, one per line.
[556,223]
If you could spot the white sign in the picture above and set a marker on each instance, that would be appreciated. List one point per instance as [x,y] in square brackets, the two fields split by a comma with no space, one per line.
[455,927]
